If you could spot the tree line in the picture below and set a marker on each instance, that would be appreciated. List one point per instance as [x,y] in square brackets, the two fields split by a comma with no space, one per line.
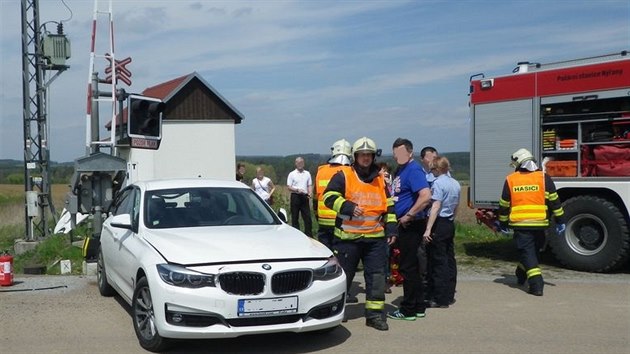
[277,168]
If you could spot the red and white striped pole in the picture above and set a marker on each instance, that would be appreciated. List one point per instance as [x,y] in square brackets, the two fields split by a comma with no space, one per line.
[112,62]
[88,117]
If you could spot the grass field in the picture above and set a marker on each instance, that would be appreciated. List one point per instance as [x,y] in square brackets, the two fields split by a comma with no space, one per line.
[12,202]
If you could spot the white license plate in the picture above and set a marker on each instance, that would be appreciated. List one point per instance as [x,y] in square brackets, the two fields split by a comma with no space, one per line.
[267,307]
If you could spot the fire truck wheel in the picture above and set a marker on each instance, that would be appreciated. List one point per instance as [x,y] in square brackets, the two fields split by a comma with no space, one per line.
[596,238]
[101,276]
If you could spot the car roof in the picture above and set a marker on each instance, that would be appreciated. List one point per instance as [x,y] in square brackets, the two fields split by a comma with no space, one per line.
[188,183]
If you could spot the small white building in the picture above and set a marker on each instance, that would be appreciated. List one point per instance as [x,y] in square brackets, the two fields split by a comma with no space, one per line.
[198,134]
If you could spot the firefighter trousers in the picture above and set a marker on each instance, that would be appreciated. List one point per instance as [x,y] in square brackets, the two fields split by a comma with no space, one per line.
[372,252]
[528,243]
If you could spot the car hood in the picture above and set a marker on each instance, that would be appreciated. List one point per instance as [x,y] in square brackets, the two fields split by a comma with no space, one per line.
[220,244]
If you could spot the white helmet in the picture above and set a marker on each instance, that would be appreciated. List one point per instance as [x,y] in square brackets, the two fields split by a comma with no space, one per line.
[365,144]
[341,147]
[520,156]
[341,152]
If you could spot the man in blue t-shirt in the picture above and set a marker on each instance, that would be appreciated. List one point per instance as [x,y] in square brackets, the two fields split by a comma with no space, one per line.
[412,195]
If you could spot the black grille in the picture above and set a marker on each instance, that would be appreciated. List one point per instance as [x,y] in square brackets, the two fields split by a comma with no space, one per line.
[263,321]
[326,311]
[189,320]
[290,282]
[242,283]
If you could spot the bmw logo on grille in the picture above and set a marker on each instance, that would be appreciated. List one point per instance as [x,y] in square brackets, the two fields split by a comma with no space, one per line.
[266,266]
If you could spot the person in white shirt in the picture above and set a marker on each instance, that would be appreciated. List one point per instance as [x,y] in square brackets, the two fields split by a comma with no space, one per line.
[300,186]
[263,186]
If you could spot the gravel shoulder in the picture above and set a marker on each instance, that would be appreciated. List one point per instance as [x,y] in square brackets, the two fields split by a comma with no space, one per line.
[66,314]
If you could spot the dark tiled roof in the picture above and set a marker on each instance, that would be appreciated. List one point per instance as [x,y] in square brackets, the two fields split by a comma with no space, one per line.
[168,89]
[165,89]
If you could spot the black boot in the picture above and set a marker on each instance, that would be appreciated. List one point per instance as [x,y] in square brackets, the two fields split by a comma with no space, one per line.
[536,285]
[351,299]
[521,276]
[377,323]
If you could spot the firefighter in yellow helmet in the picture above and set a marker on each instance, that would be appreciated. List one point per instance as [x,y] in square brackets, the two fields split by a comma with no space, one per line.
[528,199]
[364,226]
[341,154]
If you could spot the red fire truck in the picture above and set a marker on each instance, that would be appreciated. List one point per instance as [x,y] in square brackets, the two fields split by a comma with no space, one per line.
[574,116]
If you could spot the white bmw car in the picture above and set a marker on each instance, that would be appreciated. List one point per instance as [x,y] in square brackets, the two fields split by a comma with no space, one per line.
[209,259]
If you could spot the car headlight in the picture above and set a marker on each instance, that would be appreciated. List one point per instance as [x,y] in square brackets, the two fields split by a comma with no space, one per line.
[184,277]
[328,271]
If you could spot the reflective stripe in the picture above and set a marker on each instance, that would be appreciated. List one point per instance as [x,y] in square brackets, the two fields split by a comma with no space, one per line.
[504,203]
[346,236]
[326,213]
[530,223]
[359,228]
[361,224]
[534,272]
[528,216]
[338,203]
[331,193]
[326,222]
[530,207]
[374,305]
[360,218]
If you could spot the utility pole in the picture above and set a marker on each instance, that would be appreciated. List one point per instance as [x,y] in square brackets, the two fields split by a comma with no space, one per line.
[41,52]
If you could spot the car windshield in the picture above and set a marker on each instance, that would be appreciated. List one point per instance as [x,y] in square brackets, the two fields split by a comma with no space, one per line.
[193,207]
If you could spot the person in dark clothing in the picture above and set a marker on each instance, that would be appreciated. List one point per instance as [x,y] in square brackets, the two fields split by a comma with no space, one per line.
[364,227]
[439,235]
[528,199]
[411,195]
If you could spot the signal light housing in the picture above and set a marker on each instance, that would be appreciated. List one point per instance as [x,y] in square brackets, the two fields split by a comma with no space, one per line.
[144,117]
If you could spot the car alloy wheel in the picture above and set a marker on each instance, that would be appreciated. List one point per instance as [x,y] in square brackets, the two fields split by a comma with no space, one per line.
[144,318]
[101,276]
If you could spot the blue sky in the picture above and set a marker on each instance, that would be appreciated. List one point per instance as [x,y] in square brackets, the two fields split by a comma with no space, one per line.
[307,73]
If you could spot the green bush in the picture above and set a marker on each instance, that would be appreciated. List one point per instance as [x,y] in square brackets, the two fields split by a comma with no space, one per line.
[48,253]
[15,178]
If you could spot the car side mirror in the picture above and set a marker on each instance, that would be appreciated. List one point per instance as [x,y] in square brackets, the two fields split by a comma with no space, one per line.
[122,221]
[282,214]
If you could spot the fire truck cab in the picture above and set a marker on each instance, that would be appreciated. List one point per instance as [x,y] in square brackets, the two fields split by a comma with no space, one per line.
[574,116]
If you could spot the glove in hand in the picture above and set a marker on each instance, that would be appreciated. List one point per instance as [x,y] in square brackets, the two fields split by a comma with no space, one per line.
[560,228]
[501,228]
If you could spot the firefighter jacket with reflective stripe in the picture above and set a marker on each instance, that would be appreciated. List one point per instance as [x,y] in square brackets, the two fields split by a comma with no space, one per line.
[527,199]
[347,190]
[325,216]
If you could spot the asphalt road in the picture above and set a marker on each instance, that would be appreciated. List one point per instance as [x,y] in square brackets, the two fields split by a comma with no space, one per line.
[578,314]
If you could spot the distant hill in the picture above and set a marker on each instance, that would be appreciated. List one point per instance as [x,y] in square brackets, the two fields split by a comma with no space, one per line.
[460,163]
[12,171]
